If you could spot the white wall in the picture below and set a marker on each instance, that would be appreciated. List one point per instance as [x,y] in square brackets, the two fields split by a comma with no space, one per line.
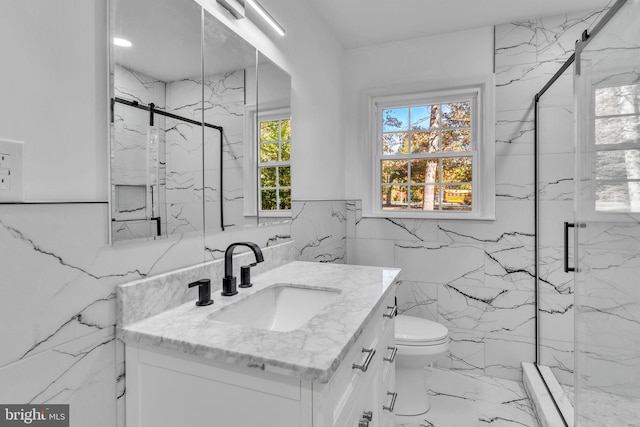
[442,58]
[53,86]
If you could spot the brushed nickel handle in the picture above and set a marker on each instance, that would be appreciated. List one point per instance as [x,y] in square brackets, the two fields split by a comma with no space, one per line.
[391,358]
[367,415]
[391,314]
[367,361]
[363,423]
[393,401]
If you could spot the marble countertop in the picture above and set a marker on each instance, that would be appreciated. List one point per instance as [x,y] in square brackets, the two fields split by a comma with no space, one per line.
[312,352]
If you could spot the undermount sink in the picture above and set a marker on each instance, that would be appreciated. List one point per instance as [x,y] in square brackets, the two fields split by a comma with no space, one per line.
[280,307]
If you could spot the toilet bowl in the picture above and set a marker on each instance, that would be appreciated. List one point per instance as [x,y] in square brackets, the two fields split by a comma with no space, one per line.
[419,342]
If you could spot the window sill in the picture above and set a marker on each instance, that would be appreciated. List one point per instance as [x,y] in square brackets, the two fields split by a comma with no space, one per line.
[431,217]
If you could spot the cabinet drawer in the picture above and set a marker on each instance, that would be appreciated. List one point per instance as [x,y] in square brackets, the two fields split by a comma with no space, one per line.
[386,402]
[359,365]
[387,354]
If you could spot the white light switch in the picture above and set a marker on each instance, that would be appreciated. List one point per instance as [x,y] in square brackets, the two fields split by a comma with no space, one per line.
[11,171]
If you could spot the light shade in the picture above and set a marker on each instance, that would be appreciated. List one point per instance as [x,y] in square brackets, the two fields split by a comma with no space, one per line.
[266,16]
[122,42]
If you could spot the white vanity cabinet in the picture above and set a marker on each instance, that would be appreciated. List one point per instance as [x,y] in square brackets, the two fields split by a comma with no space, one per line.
[166,388]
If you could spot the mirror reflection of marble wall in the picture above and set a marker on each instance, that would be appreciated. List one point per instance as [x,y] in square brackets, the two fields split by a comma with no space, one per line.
[176,176]
[156,169]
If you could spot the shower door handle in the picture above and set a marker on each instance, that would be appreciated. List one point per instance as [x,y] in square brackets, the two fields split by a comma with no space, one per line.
[568,225]
[566,247]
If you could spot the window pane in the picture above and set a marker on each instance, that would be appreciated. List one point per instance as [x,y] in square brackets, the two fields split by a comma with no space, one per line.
[285,200]
[286,151]
[431,198]
[395,119]
[394,197]
[284,176]
[268,200]
[394,143]
[618,197]
[618,165]
[269,131]
[425,142]
[618,130]
[456,140]
[267,177]
[424,170]
[456,114]
[421,117]
[617,100]
[394,171]
[457,169]
[269,152]
[457,198]
[417,198]
[285,129]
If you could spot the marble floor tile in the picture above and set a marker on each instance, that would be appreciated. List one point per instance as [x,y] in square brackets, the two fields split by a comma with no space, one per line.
[605,409]
[463,399]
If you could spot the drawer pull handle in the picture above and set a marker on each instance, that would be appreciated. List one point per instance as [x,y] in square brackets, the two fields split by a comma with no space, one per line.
[363,423]
[367,415]
[367,361]
[392,313]
[391,358]
[393,401]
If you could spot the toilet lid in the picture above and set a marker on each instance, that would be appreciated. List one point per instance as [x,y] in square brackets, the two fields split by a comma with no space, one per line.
[415,330]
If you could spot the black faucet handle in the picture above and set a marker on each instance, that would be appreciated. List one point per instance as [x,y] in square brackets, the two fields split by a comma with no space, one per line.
[204,291]
[245,276]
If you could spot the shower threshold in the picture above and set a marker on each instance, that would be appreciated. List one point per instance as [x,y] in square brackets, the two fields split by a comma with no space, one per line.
[553,407]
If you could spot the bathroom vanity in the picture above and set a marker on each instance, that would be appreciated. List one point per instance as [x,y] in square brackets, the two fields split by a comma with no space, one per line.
[308,345]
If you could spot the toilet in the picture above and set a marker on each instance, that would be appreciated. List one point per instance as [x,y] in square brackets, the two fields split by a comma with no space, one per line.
[419,342]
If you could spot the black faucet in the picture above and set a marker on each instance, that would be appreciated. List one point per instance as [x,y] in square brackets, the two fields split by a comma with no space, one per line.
[204,292]
[229,280]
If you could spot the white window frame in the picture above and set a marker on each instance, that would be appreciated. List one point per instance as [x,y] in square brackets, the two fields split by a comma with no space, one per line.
[483,144]
[251,160]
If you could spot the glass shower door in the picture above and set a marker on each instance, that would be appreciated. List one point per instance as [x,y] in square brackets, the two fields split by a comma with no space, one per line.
[607,263]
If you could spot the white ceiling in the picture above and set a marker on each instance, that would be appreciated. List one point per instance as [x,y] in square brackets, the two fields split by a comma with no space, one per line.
[358,23]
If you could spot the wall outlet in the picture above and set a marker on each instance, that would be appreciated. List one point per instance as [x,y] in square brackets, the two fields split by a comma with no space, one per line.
[5,161]
[5,182]
[11,171]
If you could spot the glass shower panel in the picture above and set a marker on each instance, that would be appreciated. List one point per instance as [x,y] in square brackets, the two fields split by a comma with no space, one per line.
[607,380]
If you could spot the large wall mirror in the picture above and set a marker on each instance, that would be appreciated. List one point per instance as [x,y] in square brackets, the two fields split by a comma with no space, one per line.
[200,125]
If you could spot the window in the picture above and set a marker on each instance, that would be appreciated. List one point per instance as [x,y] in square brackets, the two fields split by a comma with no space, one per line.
[274,164]
[433,154]
[617,148]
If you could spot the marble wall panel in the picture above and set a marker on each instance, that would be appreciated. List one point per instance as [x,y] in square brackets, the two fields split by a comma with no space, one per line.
[319,229]
[559,356]
[418,299]
[59,301]
[515,131]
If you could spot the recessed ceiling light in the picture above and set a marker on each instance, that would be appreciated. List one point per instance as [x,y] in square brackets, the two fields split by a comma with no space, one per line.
[122,42]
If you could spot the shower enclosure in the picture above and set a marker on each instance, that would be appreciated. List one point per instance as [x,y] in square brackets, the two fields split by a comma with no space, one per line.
[591,291]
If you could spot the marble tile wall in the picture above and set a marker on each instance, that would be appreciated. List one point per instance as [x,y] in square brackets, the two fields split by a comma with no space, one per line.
[319,230]
[58,302]
[477,277]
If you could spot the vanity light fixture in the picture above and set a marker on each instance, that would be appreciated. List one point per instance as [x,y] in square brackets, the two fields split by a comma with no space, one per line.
[266,16]
[235,7]
[122,42]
